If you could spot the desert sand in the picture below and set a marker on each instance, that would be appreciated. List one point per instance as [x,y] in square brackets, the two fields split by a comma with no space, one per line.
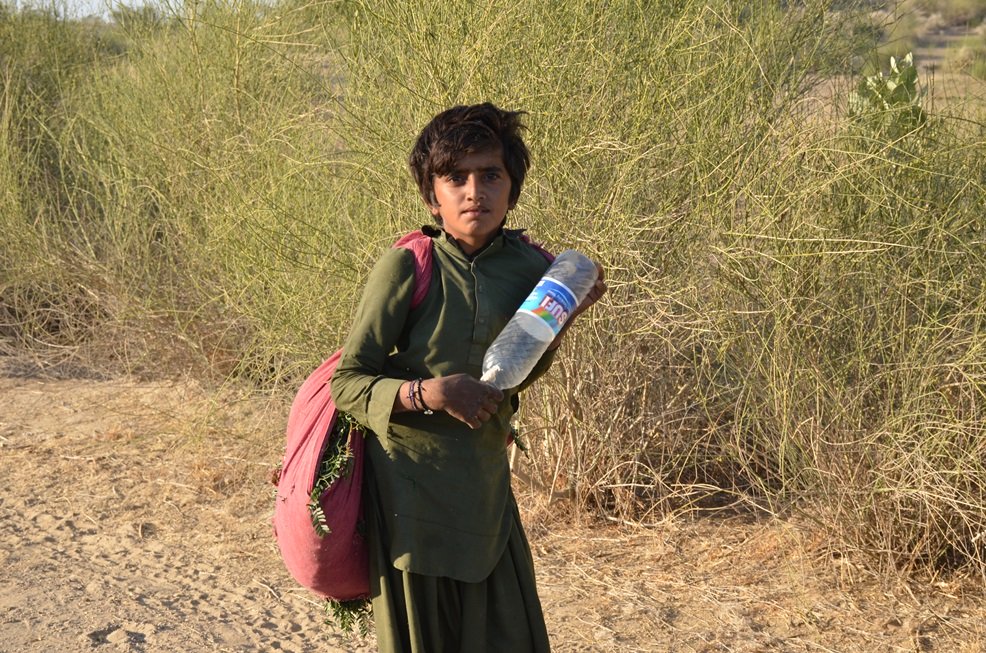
[136,517]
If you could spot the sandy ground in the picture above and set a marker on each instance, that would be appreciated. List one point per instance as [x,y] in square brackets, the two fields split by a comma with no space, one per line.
[136,517]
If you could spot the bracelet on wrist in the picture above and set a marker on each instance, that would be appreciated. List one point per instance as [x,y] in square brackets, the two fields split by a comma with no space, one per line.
[421,400]
[410,396]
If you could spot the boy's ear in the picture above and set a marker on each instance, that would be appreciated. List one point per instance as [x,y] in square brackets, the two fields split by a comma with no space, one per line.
[434,209]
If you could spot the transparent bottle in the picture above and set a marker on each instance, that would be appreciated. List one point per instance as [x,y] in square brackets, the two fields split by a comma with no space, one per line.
[517,349]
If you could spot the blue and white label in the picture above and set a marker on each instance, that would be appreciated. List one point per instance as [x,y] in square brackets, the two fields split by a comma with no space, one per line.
[550,301]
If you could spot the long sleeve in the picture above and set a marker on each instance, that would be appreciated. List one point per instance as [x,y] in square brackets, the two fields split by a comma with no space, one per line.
[359,386]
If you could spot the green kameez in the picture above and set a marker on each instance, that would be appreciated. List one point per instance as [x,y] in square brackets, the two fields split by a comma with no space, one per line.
[450,566]
[414,613]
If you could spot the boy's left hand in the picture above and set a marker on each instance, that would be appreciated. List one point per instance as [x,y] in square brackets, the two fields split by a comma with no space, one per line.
[595,293]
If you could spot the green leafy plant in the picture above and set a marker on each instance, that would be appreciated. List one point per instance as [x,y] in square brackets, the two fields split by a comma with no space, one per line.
[351,617]
[336,463]
[890,104]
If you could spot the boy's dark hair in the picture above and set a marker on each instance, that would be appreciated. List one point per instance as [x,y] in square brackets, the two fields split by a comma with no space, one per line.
[463,130]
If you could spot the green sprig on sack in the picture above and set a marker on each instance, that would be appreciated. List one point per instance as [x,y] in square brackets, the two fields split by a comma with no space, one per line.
[337,461]
[351,617]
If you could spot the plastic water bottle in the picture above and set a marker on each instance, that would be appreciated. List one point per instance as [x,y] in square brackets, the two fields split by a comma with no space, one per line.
[517,349]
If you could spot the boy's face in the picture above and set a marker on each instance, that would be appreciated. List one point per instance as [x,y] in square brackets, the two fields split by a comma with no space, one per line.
[472,200]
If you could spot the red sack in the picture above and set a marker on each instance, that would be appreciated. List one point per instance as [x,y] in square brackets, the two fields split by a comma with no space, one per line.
[335,565]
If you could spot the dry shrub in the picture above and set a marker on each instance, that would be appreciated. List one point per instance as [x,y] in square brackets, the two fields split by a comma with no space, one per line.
[795,313]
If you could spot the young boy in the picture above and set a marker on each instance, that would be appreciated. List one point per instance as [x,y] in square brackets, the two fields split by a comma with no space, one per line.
[450,566]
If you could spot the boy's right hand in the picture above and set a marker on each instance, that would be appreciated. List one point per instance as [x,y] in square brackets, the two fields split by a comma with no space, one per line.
[463,397]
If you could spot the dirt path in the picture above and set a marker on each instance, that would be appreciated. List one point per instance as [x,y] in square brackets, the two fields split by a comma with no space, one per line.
[127,525]
[135,517]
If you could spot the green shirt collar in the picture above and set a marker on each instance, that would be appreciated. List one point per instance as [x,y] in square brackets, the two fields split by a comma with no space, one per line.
[451,245]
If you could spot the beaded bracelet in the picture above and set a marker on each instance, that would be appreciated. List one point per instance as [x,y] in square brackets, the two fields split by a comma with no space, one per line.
[421,400]
[410,396]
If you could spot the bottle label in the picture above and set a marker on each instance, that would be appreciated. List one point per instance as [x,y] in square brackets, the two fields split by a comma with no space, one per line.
[551,301]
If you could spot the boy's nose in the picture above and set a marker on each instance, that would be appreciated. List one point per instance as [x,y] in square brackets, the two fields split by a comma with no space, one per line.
[474,189]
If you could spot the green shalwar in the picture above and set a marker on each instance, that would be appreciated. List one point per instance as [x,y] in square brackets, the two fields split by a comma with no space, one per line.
[450,567]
